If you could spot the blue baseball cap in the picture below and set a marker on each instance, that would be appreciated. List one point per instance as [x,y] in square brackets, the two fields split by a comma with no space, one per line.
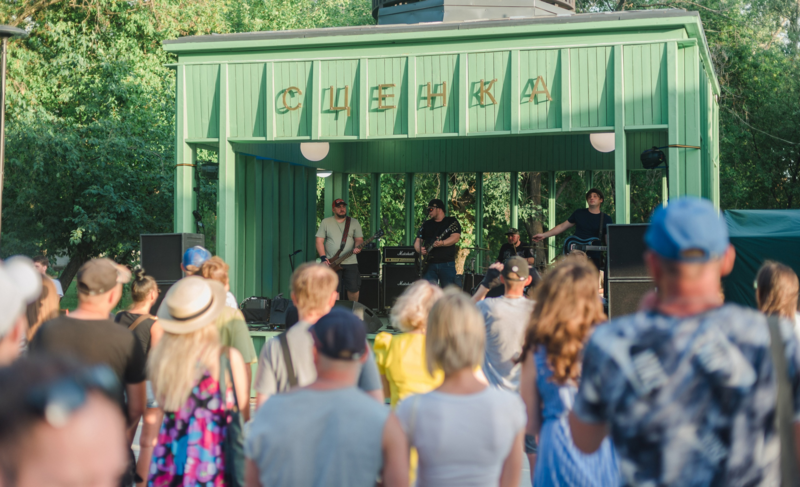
[340,335]
[688,230]
[195,256]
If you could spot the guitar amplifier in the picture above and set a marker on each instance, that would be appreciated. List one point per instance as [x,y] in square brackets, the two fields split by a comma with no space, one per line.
[369,262]
[399,255]
[370,294]
[626,250]
[396,278]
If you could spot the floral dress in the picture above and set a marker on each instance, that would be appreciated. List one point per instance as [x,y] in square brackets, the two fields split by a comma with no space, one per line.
[189,449]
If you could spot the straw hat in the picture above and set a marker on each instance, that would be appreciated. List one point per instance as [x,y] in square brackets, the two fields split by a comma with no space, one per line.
[191,304]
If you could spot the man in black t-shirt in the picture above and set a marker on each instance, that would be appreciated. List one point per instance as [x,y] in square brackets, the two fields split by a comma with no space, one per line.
[89,335]
[442,232]
[587,224]
[514,247]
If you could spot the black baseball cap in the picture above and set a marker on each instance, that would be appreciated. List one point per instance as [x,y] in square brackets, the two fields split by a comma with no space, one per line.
[512,231]
[340,335]
[436,203]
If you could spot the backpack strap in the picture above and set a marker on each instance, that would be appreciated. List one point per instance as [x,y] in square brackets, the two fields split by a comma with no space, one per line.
[139,320]
[287,359]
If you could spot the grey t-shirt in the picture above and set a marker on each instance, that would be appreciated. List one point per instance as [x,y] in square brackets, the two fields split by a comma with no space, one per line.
[272,376]
[462,440]
[506,320]
[318,438]
[332,231]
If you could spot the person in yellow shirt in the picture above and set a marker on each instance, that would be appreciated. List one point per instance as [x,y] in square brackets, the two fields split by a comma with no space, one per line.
[401,358]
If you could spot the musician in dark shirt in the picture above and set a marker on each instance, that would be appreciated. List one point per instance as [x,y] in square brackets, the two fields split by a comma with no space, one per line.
[514,247]
[442,233]
[587,224]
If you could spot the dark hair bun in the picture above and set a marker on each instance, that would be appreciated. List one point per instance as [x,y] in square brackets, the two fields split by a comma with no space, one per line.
[138,273]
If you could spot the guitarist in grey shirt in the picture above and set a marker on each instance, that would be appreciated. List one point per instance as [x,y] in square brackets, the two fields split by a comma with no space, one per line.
[331,242]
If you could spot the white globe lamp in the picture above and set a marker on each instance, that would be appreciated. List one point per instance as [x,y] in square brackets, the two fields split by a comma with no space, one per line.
[603,141]
[315,151]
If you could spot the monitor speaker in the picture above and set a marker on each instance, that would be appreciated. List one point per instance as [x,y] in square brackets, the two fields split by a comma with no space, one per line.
[396,278]
[367,315]
[369,262]
[370,293]
[162,253]
[626,251]
[624,296]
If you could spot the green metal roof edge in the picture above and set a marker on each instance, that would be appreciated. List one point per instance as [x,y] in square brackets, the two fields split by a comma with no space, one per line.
[443,31]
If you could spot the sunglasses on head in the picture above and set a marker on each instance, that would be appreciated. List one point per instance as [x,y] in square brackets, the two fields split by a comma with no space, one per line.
[58,400]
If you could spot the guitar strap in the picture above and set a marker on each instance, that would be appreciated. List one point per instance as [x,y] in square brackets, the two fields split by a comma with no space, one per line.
[600,233]
[344,235]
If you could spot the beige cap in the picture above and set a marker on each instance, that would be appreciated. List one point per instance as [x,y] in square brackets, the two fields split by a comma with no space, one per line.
[191,304]
[98,276]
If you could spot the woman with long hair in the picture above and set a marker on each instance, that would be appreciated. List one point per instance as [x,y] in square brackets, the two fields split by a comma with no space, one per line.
[568,307]
[777,289]
[466,433]
[186,368]
[137,318]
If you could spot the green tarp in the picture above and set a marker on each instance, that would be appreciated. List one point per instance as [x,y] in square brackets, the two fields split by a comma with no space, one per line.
[760,235]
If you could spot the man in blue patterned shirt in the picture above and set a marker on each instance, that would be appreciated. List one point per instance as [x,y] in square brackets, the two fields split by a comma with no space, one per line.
[687,389]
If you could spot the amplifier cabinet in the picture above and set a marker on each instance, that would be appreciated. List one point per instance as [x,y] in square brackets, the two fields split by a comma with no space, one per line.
[399,255]
[370,293]
[624,295]
[626,251]
[396,278]
[369,262]
[162,253]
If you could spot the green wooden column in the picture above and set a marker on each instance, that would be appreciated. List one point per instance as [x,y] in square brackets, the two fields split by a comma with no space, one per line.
[664,187]
[337,186]
[589,183]
[375,203]
[444,189]
[410,233]
[227,234]
[185,197]
[551,215]
[676,183]
[691,116]
[514,203]
[621,176]
[479,218]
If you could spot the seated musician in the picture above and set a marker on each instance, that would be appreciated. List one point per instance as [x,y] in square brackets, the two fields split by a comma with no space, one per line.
[514,247]
[587,225]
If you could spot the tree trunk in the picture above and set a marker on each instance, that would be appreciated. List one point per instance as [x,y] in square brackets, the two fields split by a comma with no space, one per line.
[70,271]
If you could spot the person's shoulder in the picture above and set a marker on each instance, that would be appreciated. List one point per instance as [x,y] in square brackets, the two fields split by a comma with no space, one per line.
[382,341]
[450,220]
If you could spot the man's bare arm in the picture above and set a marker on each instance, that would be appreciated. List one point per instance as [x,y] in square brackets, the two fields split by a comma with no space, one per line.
[587,436]
[555,231]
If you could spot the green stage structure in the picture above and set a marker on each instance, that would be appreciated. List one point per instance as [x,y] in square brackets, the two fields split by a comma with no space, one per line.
[505,95]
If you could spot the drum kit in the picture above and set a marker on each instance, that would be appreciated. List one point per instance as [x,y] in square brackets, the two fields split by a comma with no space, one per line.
[472,279]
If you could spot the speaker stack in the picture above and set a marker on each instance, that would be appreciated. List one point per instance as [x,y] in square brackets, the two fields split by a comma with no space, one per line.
[369,266]
[626,275]
[161,255]
[399,272]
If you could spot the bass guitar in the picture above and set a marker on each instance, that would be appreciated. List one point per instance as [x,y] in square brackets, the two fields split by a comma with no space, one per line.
[336,261]
[592,244]
[424,259]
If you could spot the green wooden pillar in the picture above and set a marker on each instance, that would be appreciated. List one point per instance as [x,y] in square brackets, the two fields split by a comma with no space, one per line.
[622,198]
[478,219]
[691,116]
[551,215]
[589,183]
[375,203]
[337,186]
[185,159]
[444,190]
[227,234]
[664,187]
[676,183]
[514,203]
[410,233]
[328,195]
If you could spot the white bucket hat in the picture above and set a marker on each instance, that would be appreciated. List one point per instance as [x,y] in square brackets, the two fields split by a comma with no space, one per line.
[191,304]
[20,284]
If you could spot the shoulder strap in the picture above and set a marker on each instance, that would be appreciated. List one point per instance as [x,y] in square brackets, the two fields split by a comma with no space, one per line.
[783,416]
[287,359]
[138,321]
[224,372]
[344,234]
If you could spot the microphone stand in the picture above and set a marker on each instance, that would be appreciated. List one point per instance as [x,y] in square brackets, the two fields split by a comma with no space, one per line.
[291,261]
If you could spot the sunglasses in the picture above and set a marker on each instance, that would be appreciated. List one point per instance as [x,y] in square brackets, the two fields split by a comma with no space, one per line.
[57,401]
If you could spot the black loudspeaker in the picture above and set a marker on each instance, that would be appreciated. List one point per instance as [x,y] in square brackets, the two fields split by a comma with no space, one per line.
[162,253]
[370,293]
[367,315]
[396,278]
[369,262]
[163,287]
[626,251]
[256,310]
[624,296]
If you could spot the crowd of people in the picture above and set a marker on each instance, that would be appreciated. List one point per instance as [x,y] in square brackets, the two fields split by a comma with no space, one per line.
[688,391]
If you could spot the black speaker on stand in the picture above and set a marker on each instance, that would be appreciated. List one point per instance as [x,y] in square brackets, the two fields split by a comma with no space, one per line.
[370,293]
[627,280]
[161,256]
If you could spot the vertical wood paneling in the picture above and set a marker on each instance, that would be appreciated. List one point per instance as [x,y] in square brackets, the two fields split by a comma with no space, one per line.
[185,198]
[247,90]
[202,101]
[691,110]
[437,119]
[673,113]
[591,74]
[292,123]
[339,74]
[540,113]
[646,75]
[392,121]
[488,66]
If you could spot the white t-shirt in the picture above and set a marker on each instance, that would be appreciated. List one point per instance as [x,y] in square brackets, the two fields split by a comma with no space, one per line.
[230,301]
[59,289]
[462,440]
[506,321]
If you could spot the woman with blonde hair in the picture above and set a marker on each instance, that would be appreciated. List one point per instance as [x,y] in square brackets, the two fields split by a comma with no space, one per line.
[567,309]
[777,289]
[401,358]
[186,369]
[466,433]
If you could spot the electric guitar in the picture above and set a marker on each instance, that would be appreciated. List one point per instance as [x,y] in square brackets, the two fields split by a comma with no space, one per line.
[424,259]
[336,261]
[590,244]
